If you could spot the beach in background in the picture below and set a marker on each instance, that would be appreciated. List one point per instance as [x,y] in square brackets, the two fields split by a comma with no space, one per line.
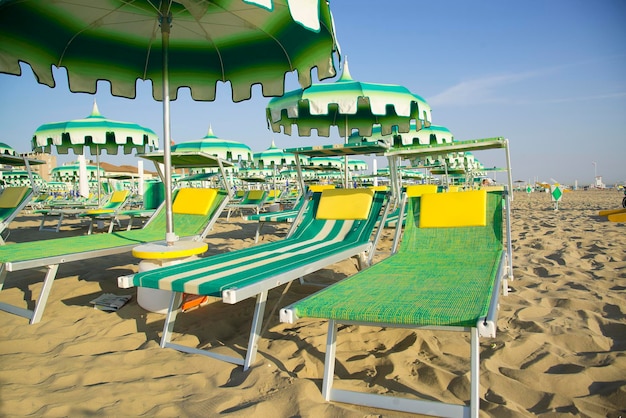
[560,349]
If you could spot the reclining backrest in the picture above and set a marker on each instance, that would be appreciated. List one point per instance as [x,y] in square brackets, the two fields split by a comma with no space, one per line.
[11,197]
[473,223]
[119,196]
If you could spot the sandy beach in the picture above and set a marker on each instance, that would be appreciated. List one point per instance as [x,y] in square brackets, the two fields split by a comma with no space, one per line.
[560,348]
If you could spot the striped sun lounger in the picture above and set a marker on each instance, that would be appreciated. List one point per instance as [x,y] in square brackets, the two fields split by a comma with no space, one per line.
[195,212]
[447,275]
[336,225]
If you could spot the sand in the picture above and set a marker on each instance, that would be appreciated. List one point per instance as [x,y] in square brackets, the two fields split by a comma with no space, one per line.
[560,348]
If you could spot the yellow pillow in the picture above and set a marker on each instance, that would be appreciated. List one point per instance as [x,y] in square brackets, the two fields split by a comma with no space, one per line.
[441,210]
[12,196]
[343,204]
[194,201]
[255,194]
[417,190]
[321,187]
[119,196]
[379,188]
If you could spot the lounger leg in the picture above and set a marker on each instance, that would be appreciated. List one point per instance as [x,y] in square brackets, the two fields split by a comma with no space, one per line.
[3,275]
[258,232]
[40,305]
[474,374]
[175,304]
[329,361]
[255,332]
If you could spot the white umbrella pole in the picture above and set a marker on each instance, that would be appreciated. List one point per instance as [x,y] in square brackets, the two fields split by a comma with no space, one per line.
[345,160]
[140,188]
[98,171]
[170,236]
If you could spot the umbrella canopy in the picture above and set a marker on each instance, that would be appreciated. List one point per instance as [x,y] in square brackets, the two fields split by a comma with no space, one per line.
[225,149]
[349,105]
[184,43]
[274,157]
[96,133]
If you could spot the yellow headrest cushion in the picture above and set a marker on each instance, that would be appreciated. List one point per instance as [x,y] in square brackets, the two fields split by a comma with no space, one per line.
[345,204]
[119,196]
[440,210]
[194,201]
[256,194]
[379,188]
[454,188]
[240,193]
[274,193]
[99,211]
[416,190]
[12,196]
[321,187]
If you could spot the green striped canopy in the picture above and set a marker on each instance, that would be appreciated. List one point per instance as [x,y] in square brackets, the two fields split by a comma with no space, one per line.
[95,132]
[433,134]
[244,42]
[223,148]
[349,105]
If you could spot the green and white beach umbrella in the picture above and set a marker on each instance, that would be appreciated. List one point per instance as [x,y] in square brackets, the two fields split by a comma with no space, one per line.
[226,149]
[349,105]
[184,43]
[96,133]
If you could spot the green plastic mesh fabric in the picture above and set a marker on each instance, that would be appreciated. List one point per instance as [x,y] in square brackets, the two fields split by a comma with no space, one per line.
[439,277]
[184,226]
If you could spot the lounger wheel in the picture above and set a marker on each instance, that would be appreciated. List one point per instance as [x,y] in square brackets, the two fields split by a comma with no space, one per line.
[624,202]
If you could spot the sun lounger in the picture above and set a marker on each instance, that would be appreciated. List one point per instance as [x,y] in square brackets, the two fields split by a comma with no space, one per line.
[195,212]
[12,201]
[252,200]
[453,261]
[283,216]
[107,212]
[115,202]
[336,225]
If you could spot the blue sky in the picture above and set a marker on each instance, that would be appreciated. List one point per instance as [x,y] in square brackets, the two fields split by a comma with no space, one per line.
[548,75]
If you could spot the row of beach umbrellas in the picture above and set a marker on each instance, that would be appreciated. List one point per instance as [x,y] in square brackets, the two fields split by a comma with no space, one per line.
[195,44]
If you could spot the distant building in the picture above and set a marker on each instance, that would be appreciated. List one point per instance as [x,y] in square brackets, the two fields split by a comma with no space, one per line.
[44,170]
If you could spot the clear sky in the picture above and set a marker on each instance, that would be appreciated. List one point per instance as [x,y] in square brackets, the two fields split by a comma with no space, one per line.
[548,75]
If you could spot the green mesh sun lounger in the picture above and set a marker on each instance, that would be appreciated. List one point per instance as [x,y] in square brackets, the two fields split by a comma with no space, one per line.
[331,230]
[253,200]
[114,203]
[195,212]
[446,275]
[283,216]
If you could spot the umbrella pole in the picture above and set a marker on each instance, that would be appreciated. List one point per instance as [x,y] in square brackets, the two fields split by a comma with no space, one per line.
[98,171]
[165,20]
[345,159]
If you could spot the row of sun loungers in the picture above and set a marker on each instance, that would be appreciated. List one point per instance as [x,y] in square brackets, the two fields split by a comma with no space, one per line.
[195,212]
[453,262]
